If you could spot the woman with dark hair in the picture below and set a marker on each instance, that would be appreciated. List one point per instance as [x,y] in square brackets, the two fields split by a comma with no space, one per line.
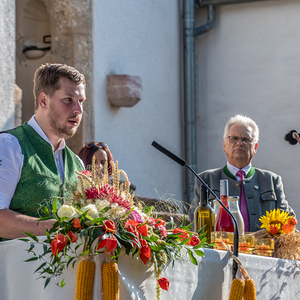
[101,152]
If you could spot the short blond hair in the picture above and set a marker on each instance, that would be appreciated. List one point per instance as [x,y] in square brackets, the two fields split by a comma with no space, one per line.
[242,120]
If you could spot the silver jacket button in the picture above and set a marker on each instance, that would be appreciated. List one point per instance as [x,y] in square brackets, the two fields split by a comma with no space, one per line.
[256,187]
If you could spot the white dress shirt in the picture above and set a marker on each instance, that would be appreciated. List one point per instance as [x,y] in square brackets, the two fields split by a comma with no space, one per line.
[11,162]
[233,170]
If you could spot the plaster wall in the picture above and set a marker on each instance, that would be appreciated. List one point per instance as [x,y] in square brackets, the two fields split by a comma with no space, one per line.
[141,38]
[249,63]
[7,63]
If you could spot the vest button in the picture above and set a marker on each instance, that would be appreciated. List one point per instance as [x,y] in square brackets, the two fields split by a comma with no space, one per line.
[66,190]
[237,184]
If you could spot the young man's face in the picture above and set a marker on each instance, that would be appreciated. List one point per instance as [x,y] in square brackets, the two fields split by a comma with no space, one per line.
[66,108]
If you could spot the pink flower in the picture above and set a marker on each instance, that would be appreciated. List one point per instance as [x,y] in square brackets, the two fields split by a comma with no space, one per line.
[163,231]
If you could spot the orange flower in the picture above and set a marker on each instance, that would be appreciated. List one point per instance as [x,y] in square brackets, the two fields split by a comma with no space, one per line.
[273,229]
[292,221]
[110,243]
[76,223]
[143,230]
[164,283]
[183,236]
[287,228]
[159,222]
[73,237]
[109,225]
[58,244]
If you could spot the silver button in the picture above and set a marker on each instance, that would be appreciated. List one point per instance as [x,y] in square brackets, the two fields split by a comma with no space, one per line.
[272,197]
[256,187]
[66,190]
[237,184]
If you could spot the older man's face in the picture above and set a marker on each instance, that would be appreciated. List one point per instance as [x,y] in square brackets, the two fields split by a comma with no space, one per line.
[240,153]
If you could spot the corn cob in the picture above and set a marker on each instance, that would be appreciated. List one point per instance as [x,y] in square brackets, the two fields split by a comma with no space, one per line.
[110,281]
[85,280]
[249,291]
[237,289]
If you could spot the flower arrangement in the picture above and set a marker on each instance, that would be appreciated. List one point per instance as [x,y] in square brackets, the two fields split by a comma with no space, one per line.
[278,222]
[282,227]
[101,217]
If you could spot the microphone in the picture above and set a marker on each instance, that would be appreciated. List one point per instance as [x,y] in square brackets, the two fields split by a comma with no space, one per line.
[292,137]
[183,163]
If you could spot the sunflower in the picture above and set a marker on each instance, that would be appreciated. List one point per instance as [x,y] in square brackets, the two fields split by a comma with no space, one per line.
[274,218]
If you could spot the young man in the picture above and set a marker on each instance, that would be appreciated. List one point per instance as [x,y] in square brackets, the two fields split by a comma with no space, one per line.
[262,190]
[36,164]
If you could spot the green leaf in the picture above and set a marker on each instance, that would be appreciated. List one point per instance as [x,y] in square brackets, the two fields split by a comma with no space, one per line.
[45,210]
[47,282]
[32,236]
[31,259]
[192,257]
[25,240]
[62,283]
[70,260]
[54,205]
[199,252]
[40,267]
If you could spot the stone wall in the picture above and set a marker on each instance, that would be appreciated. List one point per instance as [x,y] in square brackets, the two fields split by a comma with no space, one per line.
[7,63]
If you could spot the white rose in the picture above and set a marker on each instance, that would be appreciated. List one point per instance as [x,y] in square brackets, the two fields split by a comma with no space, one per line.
[67,211]
[92,210]
[101,204]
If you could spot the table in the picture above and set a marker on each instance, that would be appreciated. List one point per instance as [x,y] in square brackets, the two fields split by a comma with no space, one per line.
[211,279]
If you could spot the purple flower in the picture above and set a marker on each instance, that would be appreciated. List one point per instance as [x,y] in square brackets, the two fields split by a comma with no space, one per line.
[134,215]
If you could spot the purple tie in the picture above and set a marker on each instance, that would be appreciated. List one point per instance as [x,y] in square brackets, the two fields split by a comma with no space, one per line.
[244,210]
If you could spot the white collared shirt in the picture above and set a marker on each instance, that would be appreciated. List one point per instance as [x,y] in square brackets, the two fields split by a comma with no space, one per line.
[11,162]
[233,170]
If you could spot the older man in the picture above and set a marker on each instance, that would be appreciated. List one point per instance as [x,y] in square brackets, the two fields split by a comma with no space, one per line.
[35,163]
[258,190]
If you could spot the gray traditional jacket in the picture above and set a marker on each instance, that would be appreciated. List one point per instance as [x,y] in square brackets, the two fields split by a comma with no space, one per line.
[263,192]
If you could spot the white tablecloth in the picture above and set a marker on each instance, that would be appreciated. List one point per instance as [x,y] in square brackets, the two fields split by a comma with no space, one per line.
[211,279]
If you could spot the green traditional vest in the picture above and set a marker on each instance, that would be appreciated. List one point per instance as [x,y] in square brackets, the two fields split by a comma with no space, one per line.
[40,179]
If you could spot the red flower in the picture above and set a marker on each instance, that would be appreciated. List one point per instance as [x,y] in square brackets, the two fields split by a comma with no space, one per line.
[194,241]
[86,173]
[143,230]
[76,223]
[287,228]
[164,283]
[109,225]
[131,228]
[110,243]
[145,251]
[132,222]
[292,221]
[183,236]
[159,222]
[56,247]
[58,244]
[73,237]
[273,229]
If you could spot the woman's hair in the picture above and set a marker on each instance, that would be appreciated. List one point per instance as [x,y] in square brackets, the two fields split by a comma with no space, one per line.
[88,150]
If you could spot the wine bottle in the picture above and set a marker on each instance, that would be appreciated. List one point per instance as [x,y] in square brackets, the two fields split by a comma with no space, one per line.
[224,221]
[204,214]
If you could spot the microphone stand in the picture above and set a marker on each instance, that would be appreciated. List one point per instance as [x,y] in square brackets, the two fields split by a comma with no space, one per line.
[184,164]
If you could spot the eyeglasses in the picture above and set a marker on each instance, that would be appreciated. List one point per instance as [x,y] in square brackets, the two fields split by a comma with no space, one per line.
[234,139]
[93,144]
